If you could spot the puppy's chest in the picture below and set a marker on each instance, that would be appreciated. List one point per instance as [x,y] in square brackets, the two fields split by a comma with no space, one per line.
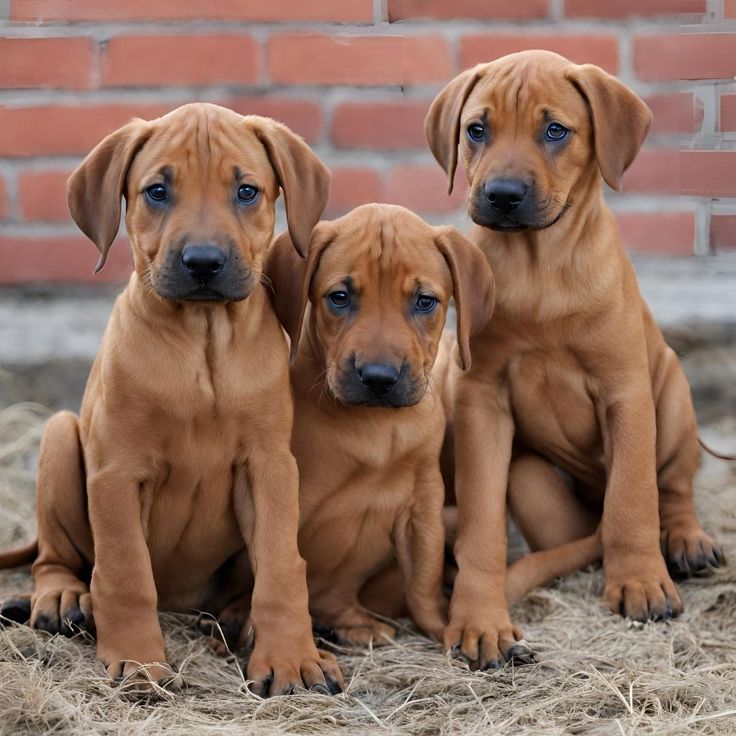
[366,462]
[553,402]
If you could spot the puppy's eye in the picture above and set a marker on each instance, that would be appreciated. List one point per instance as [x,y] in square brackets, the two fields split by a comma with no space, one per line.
[476,132]
[247,193]
[555,132]
[425,303]
[157,193]
[338,299]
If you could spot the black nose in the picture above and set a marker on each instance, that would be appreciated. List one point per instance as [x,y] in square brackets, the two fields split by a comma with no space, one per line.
[203,262]
[378,377]
[505,195]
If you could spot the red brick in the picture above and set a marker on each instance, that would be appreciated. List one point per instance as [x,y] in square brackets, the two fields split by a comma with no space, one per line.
[729,8]
[302,116]
[667,233]
[43,195]
[3,202]
[487,9]
[685,56]
[186,60]
[46,62]
[631,8]
[728,112]
[351,187]
[64,130]
[424,189]
[75,130]
[600,49]
[361,60]
[655,170]
[144,10]
[675,113]
[61,260]
[695,173]
[708,173]
[723,232]
[380,125]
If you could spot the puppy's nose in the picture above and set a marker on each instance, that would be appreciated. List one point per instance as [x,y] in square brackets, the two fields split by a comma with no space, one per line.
[378,378]
[203,262]
[505,195]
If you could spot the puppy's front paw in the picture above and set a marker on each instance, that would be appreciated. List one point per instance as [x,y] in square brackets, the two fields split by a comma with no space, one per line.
[641,591]
[486,643]
[138,680]
[279,670]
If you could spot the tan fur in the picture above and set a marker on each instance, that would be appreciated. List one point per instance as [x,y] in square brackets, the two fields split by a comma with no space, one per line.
[370,483]
[572,372]
[179,460]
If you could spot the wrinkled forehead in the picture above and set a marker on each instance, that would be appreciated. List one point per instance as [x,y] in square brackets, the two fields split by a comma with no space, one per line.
[525,89]
[203,147]
[387,256]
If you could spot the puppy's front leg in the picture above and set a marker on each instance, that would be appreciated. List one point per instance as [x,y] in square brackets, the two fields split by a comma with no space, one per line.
[123,588]
[637,582]
[479,614]
[420,543]
[267,506]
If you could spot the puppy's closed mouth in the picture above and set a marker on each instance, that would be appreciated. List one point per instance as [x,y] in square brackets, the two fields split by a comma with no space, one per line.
[205,294]
[512,226]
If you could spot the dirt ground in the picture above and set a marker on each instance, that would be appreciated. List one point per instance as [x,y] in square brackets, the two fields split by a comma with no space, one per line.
[597,673]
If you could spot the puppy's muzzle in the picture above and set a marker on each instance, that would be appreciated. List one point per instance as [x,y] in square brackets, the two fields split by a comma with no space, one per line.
[377,383]
[509,204]
[203,272]
[505,195]
[203,262]
[378,378]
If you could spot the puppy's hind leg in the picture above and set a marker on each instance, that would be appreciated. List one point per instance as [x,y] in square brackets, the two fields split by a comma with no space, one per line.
[543,505]
[560,531]
[338,608]
[61,602]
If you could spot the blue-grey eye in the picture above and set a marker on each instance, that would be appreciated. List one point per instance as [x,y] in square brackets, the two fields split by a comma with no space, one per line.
[157,193]
[476,132]
[339,299]
[247,193]
[425,303]
[555,132]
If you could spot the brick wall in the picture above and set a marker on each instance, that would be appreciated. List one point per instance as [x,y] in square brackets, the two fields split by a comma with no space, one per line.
[354,77]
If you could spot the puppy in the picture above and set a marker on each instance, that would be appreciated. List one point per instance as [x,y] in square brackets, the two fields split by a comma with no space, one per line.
[369,423]
[179,460]
[574,402]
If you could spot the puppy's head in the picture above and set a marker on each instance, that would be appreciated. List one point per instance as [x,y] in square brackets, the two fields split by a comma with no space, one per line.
[200,185]
[379,281]
[529,128]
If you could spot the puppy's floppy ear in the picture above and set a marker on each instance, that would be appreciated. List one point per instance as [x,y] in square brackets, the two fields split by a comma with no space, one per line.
[303,178]
[97,185]
[291,278]
[442,124]
[474,286]
[620,119]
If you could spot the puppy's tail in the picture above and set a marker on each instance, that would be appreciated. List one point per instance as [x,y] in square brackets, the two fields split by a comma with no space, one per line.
[539,568]
[19,555]
[712,452]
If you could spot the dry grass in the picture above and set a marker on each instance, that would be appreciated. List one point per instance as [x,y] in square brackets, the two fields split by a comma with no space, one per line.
[597,673]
